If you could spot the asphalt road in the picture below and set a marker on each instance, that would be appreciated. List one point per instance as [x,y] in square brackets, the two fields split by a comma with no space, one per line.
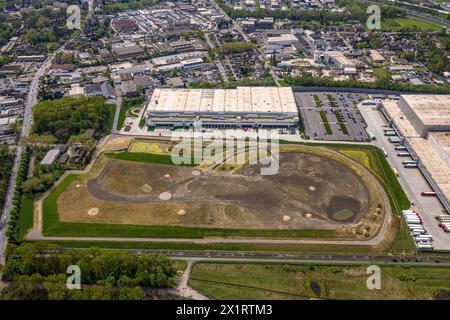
[264,257]
[217,61]
[26,126]
[309,261]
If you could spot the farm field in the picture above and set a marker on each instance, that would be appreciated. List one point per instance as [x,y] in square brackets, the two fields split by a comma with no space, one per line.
[253,281]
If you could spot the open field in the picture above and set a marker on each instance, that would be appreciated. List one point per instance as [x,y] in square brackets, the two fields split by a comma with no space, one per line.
[303,196]
[253,281]
[395,24]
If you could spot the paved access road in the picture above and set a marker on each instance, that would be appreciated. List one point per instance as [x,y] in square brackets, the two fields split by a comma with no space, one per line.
[411,179]
[26,126]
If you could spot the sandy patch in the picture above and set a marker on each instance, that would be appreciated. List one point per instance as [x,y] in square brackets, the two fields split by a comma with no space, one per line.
[165,196]
[93,211]
[147,188]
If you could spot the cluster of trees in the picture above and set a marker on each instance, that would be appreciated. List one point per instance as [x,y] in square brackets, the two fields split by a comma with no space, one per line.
[38,271]
[13,229]
[40,183]
[45,25]
[382,83]
[114,6]
[263,82]
[7,160]
[65,117]
[322,16]
[435,57]
[358,11]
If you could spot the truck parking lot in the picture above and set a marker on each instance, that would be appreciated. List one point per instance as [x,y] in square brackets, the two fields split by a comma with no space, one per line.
[410,178]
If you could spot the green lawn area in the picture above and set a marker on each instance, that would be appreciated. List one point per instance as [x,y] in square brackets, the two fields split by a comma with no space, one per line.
[395,24]
[381,72]
[110,121]
[323,116]
[317,101]
[127,104]
[276,281]
[26,215]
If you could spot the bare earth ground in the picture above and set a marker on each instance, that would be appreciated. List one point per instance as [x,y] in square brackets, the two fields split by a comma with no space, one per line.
[314,189]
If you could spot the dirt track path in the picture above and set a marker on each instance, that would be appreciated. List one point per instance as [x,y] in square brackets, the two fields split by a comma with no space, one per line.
[183,289]
[36,232]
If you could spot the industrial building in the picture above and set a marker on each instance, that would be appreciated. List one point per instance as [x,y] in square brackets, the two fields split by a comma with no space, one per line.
[426,112]
[243,107]
[128,51]
[338,59]
[423,123]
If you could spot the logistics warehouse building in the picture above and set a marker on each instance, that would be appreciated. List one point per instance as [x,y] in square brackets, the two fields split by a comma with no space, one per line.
[424,123]
[243,107]
[426,112]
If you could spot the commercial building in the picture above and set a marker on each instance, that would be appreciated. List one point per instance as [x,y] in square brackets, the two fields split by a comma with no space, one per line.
[282,39]
[33,58]
[129,51]
[9,102]
[376,57]
[426,112]
[243,107]
[124,25]
[50,157]
[338,58]
[92,89]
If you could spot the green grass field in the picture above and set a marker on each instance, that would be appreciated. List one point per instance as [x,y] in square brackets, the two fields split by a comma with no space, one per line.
[124,110]
[26,215]
[395,24]
[276,281]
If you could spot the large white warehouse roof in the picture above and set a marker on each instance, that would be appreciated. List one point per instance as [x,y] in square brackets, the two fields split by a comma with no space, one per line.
[241,99]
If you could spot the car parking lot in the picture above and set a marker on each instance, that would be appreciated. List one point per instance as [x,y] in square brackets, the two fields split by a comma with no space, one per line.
[411,179]
[332,116]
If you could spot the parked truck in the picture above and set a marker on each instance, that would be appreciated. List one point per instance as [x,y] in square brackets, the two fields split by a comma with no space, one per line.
[403,154]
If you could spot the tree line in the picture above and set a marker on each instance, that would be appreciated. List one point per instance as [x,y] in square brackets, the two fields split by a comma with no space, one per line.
[7,160]
[382,83]
[39,271]
[13,229]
